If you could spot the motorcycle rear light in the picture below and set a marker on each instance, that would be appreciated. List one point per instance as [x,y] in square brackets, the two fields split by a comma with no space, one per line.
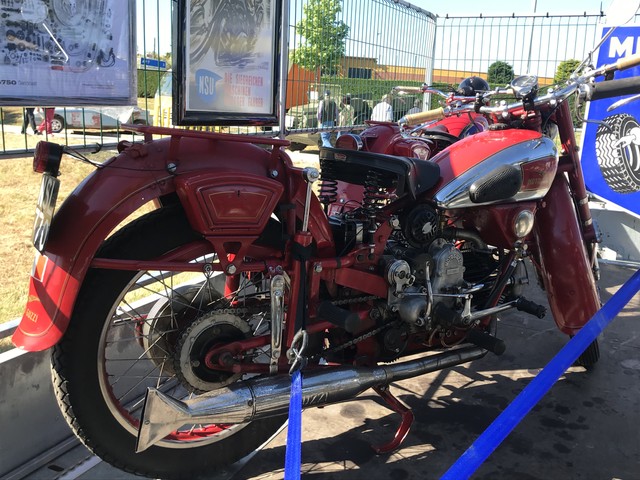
[46,158]
[349,141]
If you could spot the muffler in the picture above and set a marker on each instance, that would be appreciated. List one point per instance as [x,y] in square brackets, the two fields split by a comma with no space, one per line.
[269,396]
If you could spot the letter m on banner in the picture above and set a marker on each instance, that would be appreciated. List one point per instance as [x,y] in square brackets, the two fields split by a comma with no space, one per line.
[611,144]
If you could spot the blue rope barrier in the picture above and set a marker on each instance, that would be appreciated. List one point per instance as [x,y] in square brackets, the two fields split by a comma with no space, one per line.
[493,436]
[292,459]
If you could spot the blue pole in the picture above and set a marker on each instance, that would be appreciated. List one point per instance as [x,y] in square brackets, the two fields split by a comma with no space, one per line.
[493,436]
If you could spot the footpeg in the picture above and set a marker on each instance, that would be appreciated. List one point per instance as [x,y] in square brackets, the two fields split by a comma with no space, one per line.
[530,307]
[486,341]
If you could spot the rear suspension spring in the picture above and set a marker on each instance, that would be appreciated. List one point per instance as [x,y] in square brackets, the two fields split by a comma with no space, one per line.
[374,198]
[328,189]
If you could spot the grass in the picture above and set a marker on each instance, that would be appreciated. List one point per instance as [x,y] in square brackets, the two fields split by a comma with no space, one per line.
[19,189]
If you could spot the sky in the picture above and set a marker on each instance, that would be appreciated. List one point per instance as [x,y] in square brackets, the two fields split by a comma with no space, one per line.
[497,7]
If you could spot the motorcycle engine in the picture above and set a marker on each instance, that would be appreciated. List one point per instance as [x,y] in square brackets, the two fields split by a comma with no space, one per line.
[409,292]
[424,271]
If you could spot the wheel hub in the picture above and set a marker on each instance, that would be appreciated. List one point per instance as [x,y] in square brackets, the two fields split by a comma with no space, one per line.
[195,342]
[167,318]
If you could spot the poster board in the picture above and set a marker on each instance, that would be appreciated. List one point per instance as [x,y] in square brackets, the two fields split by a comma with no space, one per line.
[67,53]
[226,61]
[611,138]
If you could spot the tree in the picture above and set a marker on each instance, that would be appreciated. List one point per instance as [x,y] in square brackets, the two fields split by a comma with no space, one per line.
[565,69]
[324,36]
[500,73]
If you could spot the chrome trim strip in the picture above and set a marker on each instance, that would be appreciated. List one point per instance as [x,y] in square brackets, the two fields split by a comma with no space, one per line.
[456,193]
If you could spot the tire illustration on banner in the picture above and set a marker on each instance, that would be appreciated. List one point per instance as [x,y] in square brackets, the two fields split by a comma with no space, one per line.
[618,152]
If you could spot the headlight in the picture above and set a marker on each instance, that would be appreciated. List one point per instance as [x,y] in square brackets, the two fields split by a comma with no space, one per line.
[523,223]
[349,141]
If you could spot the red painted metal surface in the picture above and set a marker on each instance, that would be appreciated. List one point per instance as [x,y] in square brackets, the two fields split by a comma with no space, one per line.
[405,425]
[218,202]
[496,224]
[141,173]
[566,269]
[473,150]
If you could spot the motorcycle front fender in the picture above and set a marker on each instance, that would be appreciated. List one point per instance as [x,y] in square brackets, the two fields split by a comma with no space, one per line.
[140,174]
[565,267]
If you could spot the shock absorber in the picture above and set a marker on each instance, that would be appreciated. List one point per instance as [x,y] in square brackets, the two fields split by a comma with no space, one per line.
[328,189]
[374,198]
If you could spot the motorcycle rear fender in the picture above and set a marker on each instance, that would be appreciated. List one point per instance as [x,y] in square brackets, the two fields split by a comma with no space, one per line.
[138,175]
[564,264]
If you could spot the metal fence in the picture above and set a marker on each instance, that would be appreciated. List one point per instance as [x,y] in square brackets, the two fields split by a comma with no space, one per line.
[534,44]
[358,51]
[363,50]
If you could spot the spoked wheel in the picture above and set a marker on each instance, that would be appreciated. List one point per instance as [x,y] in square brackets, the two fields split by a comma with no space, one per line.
[134,330]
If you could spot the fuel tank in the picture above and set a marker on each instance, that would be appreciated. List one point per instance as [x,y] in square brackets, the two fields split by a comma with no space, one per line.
[495,166]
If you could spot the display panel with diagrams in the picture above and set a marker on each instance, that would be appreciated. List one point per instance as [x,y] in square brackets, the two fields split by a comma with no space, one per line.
[67,52]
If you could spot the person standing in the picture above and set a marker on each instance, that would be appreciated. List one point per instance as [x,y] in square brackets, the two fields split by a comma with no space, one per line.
[417,107]
[345,117]
[46,123]
[327,117]
[29,119]
[383,112]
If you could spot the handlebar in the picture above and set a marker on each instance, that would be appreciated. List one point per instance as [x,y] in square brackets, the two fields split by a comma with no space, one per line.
[450,97]
[628,62]
[422,117]
[404,89]
[584,84]
[614,88]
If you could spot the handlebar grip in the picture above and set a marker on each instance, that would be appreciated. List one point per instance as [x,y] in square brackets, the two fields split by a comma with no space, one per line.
[628,62]
[408,89]
[429,115]
[615,88]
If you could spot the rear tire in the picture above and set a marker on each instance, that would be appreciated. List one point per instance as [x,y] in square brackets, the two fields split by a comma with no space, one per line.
[101,368]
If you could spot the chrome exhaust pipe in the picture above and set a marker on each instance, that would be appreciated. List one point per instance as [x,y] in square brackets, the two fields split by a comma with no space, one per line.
[269,396]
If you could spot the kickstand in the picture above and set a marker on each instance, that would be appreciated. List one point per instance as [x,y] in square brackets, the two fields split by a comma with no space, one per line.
[407,419]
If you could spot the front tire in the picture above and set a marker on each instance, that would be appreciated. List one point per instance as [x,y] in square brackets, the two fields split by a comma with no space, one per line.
[590,356]
[107,358]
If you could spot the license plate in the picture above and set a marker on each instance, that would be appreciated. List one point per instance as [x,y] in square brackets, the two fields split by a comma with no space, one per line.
[44,210]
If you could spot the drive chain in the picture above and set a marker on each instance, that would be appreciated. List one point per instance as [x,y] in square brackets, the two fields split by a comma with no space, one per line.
[242,311]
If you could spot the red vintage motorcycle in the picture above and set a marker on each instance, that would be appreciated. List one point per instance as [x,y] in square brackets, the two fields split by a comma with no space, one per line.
[173,334]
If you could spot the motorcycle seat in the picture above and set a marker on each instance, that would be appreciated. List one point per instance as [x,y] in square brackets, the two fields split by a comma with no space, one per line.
[411,176]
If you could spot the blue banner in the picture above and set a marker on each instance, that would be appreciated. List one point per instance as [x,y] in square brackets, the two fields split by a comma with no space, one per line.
[611,148]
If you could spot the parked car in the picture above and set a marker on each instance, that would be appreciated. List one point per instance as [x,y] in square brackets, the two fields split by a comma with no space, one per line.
[96,117]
